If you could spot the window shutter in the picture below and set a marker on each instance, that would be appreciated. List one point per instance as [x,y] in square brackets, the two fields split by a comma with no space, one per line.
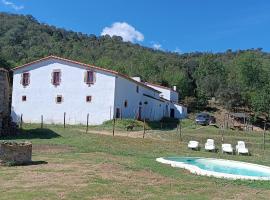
[85,76]
[56,77]
[90,77]
[28,78]
[25,79]
[59,78]
[52,78]
[94,77]
[21,82]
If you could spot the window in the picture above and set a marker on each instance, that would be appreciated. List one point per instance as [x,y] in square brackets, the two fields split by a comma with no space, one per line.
[59,99]
[24,98]
[137,89]
[90,77]
[126,103]
[88,98]
[56,77]
[25,79]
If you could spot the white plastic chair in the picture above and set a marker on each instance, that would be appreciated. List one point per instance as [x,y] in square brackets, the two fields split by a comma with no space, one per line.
[210,145]
[241,148]
[227,148]
[193,145]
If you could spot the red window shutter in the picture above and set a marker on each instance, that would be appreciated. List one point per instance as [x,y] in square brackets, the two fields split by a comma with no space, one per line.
[85,76]
[28,78]
[90,77]
[94,77]
[56,77]
[25,79]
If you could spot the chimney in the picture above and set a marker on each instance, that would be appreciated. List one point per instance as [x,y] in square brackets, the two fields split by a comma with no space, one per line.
[174,87]
[136,78]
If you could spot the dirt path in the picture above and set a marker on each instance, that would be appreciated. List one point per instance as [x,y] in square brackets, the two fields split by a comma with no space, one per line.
[131,134]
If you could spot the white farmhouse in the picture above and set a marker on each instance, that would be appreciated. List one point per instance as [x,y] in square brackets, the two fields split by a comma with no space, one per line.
[171,98]
[54,89]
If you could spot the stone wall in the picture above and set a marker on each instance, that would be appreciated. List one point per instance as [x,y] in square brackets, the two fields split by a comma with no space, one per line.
[16,153]
[4,101]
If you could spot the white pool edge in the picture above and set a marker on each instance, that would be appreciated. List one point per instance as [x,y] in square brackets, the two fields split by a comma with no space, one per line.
[198,171]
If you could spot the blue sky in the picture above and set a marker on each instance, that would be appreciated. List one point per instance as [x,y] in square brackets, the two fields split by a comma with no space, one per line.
[172,25]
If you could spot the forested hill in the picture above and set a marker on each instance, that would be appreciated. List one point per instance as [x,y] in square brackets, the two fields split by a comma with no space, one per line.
[235,78]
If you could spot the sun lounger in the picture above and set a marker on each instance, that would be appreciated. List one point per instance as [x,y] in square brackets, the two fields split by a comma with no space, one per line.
[241,148]
[210,145]
[193,145]
[227,148]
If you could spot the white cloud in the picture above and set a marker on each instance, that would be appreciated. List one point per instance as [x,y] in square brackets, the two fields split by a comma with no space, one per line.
[157,46]
[12,5]
[177,50]
[123,29]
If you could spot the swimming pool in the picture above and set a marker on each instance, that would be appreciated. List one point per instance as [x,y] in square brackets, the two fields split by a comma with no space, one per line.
[219,168]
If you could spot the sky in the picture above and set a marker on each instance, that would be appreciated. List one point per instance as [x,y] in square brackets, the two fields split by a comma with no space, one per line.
[171,25]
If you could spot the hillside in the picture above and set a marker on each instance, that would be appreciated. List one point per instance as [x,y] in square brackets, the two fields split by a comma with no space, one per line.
[235,79]
[23,39]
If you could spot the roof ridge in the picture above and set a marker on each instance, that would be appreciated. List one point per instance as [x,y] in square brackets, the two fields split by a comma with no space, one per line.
[154,84]
[86,65]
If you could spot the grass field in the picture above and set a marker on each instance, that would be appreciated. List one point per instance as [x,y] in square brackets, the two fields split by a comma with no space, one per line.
[73,164]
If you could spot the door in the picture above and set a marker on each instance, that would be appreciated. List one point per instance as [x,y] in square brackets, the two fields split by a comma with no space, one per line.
[140,113]
[117,115]
[172,113]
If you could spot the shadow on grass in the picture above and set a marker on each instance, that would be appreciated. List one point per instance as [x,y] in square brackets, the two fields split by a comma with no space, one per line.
[37,133]
[164,124]
[39,162]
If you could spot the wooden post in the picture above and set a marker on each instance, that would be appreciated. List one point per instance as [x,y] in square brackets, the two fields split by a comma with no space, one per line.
[41,124]
[264,131]
[87,122]
[144,127]
[180,130]
[245,123]
[222,134]
[21,122]
[64,119]
[113,125]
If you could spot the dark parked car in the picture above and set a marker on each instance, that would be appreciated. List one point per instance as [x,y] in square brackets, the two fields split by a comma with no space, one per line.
[203,119]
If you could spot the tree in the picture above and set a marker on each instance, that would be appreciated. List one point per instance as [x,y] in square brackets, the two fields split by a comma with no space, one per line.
[261,102]
[210,75]
[251,70]
[4,64]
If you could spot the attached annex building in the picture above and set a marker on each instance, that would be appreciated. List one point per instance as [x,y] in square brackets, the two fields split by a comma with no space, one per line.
[54,87]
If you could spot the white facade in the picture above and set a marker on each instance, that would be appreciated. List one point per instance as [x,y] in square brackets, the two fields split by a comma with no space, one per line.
[171,96]
[142,102]
[110,93]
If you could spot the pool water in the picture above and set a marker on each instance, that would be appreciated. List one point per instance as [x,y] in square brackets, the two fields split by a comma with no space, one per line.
[223,166]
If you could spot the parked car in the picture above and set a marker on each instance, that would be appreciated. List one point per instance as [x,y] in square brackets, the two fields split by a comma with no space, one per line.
[203,119]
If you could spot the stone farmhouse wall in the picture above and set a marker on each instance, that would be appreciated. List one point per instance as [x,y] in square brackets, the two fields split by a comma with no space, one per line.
[4,100]
[17,153]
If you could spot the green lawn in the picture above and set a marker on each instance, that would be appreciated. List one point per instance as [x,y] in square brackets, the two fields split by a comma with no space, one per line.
[82,165]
